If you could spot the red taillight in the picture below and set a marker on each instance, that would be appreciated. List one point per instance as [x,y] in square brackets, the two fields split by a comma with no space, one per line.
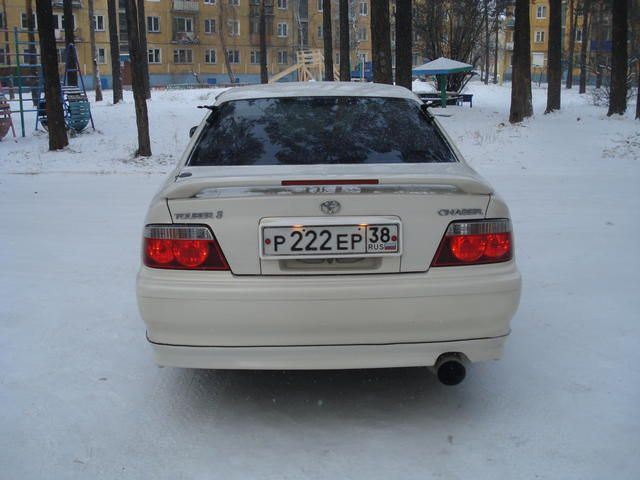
[475,243]
[182,247]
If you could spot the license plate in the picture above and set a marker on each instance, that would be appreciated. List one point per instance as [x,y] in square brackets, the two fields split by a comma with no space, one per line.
[359,240]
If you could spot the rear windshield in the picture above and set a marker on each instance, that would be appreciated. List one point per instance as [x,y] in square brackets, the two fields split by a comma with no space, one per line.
[319,130]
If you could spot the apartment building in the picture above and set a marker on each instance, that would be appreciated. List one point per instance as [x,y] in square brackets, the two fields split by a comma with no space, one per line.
[198,41]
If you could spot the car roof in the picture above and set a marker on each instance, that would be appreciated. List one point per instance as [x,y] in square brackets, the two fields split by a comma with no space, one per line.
[314,89]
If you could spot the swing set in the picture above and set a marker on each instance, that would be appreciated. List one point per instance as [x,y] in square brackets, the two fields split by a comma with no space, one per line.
[26,79]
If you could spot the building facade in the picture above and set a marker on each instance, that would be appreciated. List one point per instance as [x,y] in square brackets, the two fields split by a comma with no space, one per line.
[197,41]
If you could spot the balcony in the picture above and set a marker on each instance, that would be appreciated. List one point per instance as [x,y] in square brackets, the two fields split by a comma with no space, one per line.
[185,37]
[74,3]
[190,6]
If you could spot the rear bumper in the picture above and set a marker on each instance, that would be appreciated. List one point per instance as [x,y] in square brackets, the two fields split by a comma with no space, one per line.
[325,357]
[217,320]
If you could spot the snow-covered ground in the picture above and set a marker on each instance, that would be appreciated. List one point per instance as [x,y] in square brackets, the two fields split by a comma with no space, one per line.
[80,396]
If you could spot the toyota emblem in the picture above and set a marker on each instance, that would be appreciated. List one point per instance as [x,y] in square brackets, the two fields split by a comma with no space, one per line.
[330,207]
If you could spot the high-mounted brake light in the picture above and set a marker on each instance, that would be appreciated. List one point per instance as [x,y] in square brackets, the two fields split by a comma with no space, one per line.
[475,243]
[355,181]
[182,247]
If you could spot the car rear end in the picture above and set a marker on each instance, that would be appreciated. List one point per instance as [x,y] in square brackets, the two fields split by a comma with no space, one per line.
[287,241]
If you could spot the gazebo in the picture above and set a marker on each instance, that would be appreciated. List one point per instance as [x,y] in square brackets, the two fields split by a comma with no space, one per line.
[441,68]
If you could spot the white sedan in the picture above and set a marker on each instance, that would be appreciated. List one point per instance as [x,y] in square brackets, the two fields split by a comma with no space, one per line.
[326,225]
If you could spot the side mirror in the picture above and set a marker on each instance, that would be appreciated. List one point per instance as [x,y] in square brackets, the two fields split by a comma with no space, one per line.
[192,130]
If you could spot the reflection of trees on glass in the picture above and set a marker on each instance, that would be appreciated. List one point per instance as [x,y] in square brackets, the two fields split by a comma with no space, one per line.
[320,130]
[229,139]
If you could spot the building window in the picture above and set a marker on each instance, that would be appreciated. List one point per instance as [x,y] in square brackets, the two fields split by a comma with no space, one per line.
[255,56]
[537,59]
[23,21]
[233,56]
[209,2]
[234,27]
[579,35]
[283,57]
[320,31]
[539,36]
[209,25]
[362,34]
[2,25]
[154,55]
[183,24]
[415,60]
[364,9]
[101,58]
[319,5]
[541,11]
[282,4]
[210,56]
[62,55]
[98,23]
[362,58]
[235,2]
[283,29]
[153,24]
[183,55]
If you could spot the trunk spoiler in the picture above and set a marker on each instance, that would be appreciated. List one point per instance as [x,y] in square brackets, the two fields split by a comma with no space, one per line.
[236,186]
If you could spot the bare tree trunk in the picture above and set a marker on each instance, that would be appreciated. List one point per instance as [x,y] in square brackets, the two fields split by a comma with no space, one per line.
[264,74]
[222,35]
[327,40]
[403,43]
[72,77]
[345,51]
[638,98]
[144,59]
[521,106]
[599,39]
[496,46]
[618,93]
[137,77]
[573,10]
[586,27]
[49,59]
[94,53]
[487,40]
[114,46]
[381,42]
[554,56]
[30,51]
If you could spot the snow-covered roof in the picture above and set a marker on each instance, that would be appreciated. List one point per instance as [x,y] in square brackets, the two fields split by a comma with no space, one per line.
[314,89]
[442,66]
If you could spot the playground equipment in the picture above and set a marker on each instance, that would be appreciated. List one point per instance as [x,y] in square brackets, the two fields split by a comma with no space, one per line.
[5,118]
[309,66]
[75,104]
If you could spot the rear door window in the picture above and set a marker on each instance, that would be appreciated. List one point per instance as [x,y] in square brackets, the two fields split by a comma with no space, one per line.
[319,130]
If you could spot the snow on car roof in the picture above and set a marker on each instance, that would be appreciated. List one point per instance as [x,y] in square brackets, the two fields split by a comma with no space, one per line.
[315,89]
